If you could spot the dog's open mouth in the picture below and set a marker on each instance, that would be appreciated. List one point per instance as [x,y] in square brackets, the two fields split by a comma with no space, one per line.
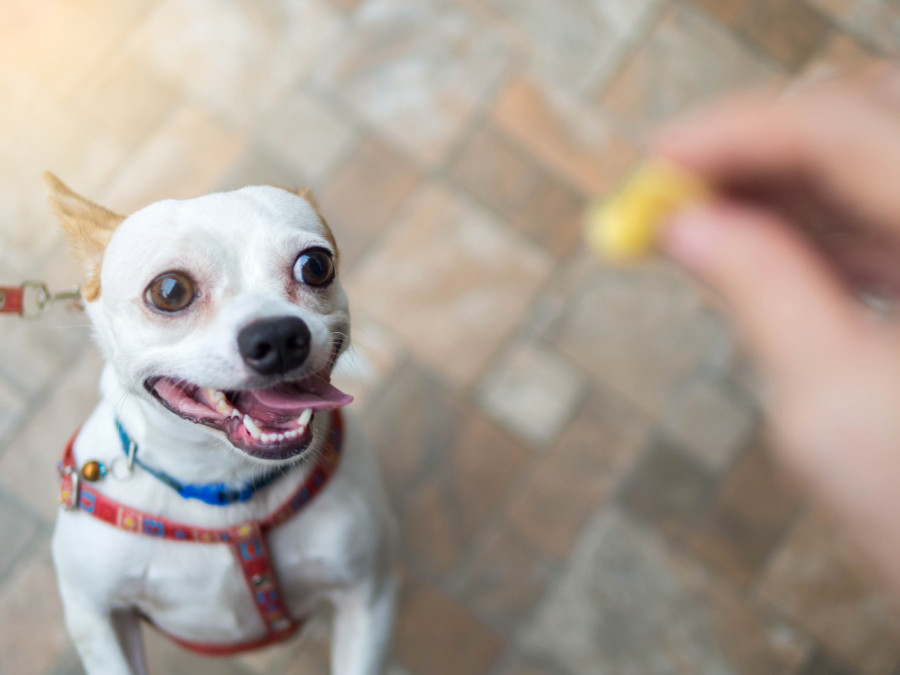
[272,423]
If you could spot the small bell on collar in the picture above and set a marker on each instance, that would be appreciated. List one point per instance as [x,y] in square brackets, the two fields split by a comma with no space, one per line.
[93,470]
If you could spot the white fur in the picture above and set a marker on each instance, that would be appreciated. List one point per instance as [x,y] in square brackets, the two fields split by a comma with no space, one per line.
[240,247]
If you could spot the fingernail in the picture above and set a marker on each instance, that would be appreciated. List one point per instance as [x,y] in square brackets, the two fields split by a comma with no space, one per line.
[691,236]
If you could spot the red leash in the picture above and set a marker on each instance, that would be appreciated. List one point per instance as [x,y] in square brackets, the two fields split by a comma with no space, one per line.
[11,300]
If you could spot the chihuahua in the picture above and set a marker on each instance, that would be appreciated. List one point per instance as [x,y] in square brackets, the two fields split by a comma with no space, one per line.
[218,492]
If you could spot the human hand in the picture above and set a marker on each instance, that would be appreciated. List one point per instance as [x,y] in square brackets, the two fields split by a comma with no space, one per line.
[809,217]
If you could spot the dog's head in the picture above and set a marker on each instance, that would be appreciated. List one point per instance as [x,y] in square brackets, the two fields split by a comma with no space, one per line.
[224,310]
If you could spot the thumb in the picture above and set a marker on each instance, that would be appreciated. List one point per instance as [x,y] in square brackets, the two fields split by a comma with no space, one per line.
[793,311]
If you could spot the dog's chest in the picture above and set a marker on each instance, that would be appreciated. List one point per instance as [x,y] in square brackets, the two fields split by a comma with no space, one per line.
[196,591]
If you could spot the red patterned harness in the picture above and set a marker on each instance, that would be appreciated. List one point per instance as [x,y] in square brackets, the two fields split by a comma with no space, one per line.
[247,540]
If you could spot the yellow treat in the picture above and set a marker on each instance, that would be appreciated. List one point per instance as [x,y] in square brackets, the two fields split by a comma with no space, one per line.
[626,226]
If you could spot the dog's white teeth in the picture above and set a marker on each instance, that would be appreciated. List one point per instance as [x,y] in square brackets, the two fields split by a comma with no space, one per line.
[281,437]
[268,438]
[251,426]
[220,400]
[294,433]
[234,413]
[305,417]
[214,394]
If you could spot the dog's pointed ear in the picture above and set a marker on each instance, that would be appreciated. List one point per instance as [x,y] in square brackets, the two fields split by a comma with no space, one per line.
[88,227]
[306,193]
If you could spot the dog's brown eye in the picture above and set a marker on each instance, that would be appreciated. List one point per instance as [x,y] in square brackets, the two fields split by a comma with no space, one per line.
[170,292]
[314,267]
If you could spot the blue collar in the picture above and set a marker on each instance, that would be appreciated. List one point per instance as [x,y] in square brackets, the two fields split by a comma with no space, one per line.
[217,494]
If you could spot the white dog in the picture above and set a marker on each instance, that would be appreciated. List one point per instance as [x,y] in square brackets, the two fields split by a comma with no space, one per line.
[217,491]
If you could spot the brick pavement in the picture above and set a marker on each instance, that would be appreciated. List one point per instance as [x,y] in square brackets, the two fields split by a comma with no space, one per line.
[573,451]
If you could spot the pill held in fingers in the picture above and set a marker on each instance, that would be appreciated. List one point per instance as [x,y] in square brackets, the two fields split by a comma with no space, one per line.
[626,227]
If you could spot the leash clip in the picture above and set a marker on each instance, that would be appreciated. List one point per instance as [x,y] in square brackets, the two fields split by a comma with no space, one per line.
[43,297]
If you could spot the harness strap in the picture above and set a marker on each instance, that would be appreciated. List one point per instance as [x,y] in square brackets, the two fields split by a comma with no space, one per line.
[247,540]
[249,548]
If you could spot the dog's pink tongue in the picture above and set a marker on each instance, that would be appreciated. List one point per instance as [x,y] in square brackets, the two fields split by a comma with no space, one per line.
[323,396]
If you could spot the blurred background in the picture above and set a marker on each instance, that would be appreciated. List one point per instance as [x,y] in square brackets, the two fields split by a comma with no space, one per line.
[574,452]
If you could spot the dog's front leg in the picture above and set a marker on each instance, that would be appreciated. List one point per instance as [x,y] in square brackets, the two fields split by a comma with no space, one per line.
[108,642]
[363,623]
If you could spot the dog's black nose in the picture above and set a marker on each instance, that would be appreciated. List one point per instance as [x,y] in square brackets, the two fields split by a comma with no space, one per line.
[273,346]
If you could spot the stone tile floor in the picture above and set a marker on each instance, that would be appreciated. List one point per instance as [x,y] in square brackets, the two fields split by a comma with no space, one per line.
[574,452]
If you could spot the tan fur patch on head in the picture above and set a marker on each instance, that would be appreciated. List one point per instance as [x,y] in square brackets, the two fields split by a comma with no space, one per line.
[88,228]
[306,194]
